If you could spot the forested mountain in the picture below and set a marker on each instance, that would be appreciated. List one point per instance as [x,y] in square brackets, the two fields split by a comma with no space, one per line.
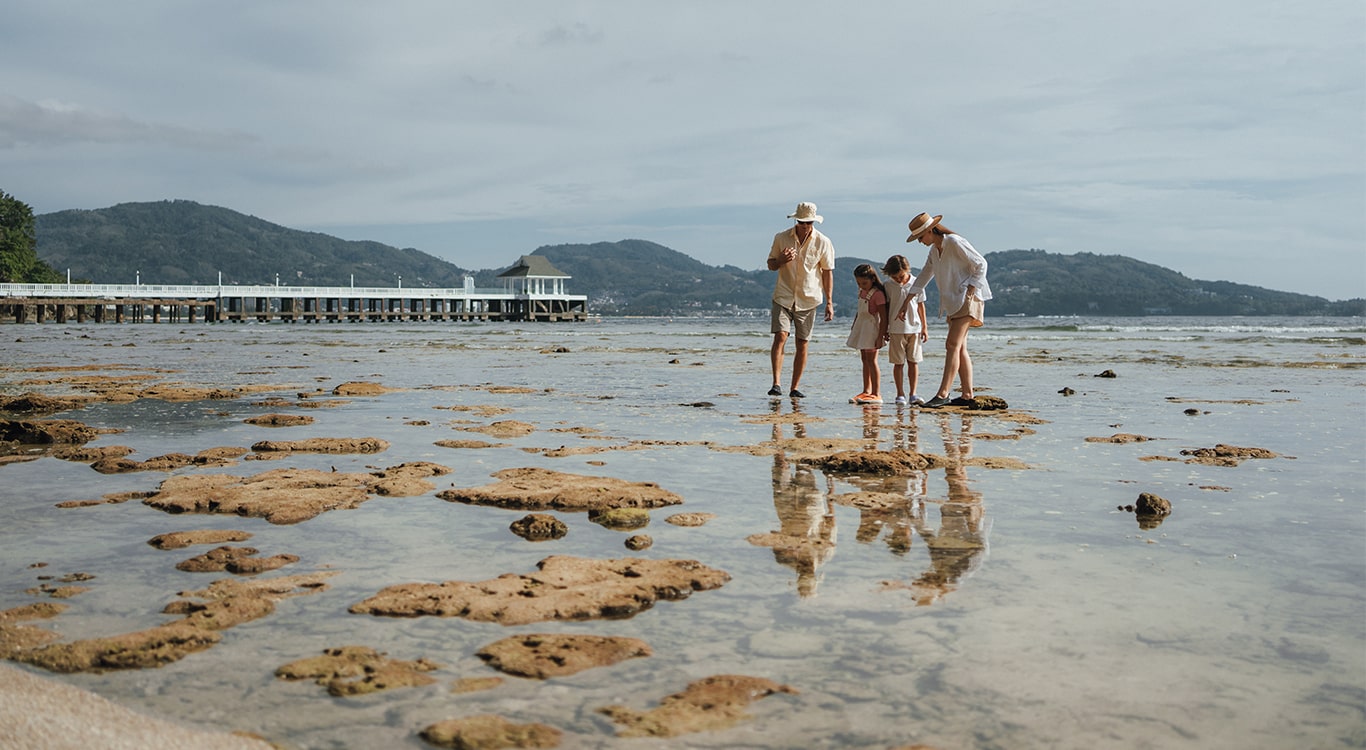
[642,278]
[182,242]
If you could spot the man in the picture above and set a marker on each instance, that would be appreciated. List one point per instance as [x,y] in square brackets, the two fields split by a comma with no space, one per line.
[805,261]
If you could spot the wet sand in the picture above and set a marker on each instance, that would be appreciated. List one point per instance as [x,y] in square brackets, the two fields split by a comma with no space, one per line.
[37,713]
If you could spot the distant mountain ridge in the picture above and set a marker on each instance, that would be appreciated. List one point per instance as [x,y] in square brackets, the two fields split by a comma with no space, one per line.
[183,242]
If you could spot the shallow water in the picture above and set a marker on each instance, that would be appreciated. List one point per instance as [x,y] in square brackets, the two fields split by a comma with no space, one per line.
[1054,620]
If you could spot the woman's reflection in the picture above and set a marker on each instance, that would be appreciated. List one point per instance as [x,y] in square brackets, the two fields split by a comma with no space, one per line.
[959,545]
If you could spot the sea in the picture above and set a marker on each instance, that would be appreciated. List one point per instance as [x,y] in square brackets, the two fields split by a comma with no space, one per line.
[1007,601]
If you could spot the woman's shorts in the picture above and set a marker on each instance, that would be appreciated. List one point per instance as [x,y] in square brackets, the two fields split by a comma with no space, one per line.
[972,308]
[905,347]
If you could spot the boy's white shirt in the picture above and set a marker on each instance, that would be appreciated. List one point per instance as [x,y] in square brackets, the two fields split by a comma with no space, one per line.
[912,323]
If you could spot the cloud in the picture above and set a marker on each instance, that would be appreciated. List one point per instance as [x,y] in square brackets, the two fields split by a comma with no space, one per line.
[1060,124]
[53,124]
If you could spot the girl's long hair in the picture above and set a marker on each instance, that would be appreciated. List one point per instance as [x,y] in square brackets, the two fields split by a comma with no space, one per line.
[867,271]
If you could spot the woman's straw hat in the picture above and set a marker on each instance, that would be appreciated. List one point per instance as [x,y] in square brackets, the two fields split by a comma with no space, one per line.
[921,224]
[806,212]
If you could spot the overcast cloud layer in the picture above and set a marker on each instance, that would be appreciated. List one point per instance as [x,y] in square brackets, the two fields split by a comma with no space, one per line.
[1223,139]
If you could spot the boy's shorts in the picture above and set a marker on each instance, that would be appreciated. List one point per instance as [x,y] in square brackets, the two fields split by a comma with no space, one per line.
[905,347]
[797,322]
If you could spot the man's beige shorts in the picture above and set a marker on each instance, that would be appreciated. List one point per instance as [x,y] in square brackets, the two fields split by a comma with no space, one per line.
[799,323]
[905,347]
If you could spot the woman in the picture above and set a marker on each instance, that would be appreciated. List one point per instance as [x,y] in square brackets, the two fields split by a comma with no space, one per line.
[961,274]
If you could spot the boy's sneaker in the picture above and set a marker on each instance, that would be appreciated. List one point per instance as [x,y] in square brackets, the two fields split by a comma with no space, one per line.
[900,400]
[916,400]
[937,402]
[775,391]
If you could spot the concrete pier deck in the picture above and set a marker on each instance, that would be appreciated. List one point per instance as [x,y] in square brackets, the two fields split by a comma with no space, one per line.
[139,303]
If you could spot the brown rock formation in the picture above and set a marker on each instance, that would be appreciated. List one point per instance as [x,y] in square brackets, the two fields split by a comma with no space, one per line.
[279,420]
[88,454]
[358,670]
[540,656]
[690,519]
[281,496]
[709,704]
[48,431]
[230,603]
[285,496]
[539,527]
[221,456]
[360,389]
[895,462]
[489,732]
[37,403]
[237,560]
[542,489]
[1119,438]
[564,588]
[1225,455]
[620,519]
[182,539]
[507,428]
[323,445]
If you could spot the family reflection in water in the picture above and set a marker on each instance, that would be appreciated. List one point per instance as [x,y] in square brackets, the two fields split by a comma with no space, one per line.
[894,507]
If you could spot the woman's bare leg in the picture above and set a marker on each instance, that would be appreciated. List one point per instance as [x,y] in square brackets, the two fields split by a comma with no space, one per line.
[955,351]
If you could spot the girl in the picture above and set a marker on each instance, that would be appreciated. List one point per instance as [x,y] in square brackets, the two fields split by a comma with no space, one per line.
[962,279]
[869,331]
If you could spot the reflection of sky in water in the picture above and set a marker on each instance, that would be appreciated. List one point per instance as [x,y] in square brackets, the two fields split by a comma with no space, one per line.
[1237,622]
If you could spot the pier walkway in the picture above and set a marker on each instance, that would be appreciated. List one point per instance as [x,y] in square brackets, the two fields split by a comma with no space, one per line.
[155,303]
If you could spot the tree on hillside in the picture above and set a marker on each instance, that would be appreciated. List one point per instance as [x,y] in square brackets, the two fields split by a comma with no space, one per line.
[19,261]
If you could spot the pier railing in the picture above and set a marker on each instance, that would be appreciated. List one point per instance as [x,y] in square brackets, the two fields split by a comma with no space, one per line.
[267,302]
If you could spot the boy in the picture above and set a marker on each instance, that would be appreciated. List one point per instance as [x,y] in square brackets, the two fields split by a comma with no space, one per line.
[906,329]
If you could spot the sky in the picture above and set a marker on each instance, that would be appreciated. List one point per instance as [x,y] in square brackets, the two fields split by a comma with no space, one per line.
[1224,139]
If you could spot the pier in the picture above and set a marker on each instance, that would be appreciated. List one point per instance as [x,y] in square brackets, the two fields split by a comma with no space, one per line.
[529,300]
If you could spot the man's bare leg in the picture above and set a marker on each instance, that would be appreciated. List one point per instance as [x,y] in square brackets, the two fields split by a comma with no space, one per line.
[775,356]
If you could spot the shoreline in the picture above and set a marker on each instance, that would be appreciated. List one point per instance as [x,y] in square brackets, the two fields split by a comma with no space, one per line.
[41,713]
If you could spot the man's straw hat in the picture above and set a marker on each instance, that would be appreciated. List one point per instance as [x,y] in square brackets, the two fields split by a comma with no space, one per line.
[806,212]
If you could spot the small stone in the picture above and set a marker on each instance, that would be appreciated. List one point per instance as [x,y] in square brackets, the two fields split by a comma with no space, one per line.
[1151,505]
[539,527]
[620,518]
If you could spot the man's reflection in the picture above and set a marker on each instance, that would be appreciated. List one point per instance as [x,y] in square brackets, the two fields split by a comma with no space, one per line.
[805,538]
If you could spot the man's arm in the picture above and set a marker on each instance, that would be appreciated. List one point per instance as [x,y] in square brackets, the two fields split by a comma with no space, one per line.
[828,286]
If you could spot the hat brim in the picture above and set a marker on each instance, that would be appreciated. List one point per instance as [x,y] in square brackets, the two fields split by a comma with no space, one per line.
[933,223]
[817,218]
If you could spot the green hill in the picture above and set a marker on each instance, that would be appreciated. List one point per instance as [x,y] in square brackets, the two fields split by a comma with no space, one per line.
[183,242]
